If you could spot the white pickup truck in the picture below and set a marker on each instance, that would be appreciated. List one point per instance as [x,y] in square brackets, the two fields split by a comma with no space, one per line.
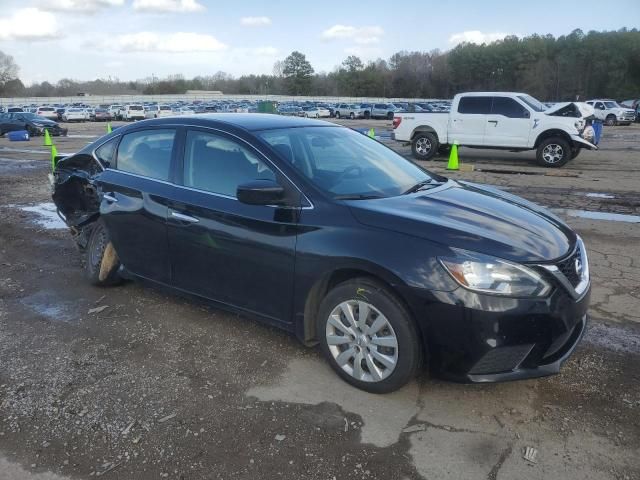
[498,120]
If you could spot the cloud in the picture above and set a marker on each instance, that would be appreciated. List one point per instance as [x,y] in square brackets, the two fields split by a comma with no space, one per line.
[180,42]
[29,24]
[255,21]
[167,6]
[476,36]
[360,35]
[265,51]
[79,6]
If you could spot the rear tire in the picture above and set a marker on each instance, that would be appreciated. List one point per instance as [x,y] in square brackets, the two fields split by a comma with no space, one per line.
[374,360]
[424,146]
[553,152]
[101,259]
[337,114]
[390,116]
[611,120]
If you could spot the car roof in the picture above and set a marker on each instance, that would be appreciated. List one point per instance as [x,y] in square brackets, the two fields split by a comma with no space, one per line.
[245,121]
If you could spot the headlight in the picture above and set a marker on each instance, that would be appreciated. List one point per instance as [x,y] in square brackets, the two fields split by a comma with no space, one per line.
[482,273]
[579,125]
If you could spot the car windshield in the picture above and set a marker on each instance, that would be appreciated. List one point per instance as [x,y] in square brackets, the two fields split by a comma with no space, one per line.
[345,164]
[611,104]
[535,104]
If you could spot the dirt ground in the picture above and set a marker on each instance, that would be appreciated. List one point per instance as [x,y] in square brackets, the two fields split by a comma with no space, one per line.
[134,382]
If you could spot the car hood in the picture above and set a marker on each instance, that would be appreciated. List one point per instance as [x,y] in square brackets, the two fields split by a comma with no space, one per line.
[584,109]
[472,217]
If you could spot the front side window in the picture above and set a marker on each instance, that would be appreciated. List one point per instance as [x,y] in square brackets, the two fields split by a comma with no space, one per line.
[147,153]
[508,107]
[219,165]
[475,105]
[344,163]
[105,153]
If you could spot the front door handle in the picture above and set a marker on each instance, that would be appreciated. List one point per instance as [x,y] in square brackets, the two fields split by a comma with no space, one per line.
[182,217]
[109,197]
[495,122]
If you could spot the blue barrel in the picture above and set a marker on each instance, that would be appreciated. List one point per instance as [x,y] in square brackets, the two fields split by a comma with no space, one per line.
[18,136]
[597,131]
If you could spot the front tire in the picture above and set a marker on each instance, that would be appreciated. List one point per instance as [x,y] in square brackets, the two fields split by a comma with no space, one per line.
[424,146]
[368,336]
[611,120]
[553,152]
[352,116]
[101,260]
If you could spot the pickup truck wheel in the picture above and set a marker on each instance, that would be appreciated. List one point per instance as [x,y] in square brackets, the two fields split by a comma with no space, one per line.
[390,116]
[352,116]
[424,146]
[337,114]
[611,120]
[553,152]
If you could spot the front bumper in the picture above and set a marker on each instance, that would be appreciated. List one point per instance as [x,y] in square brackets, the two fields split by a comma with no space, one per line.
[473,337]
[56,131]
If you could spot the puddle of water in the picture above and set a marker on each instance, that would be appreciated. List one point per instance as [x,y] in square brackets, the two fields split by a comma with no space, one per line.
[613,217]
[507,172]
[83,136]
[613,338]
[46,215]
[599,195]
[49,305]
[27,150]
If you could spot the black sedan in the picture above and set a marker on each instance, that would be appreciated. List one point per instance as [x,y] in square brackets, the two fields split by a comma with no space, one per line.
[328,234]
[32,123]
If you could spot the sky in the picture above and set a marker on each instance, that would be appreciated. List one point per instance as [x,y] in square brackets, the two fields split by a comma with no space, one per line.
[135,39]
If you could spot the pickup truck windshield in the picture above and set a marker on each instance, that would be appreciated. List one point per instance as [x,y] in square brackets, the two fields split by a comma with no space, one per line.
[611,104]
[345,164]
[533,103]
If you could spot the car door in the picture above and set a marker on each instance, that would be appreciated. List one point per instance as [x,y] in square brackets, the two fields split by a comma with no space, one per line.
[134,207]
[509,124]
[237,254]
[599,110]
[468,123]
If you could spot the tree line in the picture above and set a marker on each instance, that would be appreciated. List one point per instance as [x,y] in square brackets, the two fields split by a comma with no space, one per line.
[569,67]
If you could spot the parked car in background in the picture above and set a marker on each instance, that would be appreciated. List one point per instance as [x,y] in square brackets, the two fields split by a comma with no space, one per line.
[131,113]
[634,105]
[611,113]
[32,123]
[47,112]
[349,110]
[157,111]
[14,109]
[338,240]
[384,110]
[101,115]
[74,115]
[315,112]
[115,111]
[500,120]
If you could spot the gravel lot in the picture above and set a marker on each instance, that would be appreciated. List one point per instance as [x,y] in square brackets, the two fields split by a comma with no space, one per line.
[156,386]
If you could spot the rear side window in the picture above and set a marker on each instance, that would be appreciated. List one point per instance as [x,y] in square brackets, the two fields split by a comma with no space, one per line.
[475,105]
[147,153]
[508,107]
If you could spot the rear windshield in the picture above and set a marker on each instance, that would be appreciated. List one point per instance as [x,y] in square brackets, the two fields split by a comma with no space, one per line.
[135,107]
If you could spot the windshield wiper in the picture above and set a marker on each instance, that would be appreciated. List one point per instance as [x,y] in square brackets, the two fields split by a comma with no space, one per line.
[358,196]
[419,186]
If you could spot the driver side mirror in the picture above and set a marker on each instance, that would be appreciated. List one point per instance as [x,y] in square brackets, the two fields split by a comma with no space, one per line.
[526,113]
[260,192]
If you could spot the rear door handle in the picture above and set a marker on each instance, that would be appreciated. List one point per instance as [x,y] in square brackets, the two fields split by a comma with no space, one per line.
[182,217]
[109,197]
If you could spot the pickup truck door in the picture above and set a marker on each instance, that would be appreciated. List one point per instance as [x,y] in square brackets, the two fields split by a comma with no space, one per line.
[468,121]
[509,124]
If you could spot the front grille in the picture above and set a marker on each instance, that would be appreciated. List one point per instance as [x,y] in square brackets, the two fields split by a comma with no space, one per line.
[568,267]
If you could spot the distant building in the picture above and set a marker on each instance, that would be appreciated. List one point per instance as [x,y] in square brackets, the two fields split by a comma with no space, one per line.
[203,92]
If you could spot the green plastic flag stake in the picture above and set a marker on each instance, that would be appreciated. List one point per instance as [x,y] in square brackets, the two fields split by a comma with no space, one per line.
[372,133]
[453,158]
[47,138]
[109,130]
[54,154]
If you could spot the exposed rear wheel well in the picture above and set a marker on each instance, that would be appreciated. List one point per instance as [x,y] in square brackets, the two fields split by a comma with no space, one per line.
[553,133]
[424,129]
[325,285]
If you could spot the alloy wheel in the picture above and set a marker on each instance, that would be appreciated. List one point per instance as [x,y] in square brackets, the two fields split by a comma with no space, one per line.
[553,153]
[362,341]
[423,146]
